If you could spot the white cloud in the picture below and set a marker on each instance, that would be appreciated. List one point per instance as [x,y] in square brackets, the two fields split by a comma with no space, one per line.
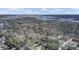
[40,11]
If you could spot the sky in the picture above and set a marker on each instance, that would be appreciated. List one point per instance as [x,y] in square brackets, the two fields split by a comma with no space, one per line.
[39,10]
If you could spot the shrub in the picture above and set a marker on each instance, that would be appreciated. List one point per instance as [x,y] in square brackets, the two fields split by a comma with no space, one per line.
[14,42]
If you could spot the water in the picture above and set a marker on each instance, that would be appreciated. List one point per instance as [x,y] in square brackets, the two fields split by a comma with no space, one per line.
[42,17]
